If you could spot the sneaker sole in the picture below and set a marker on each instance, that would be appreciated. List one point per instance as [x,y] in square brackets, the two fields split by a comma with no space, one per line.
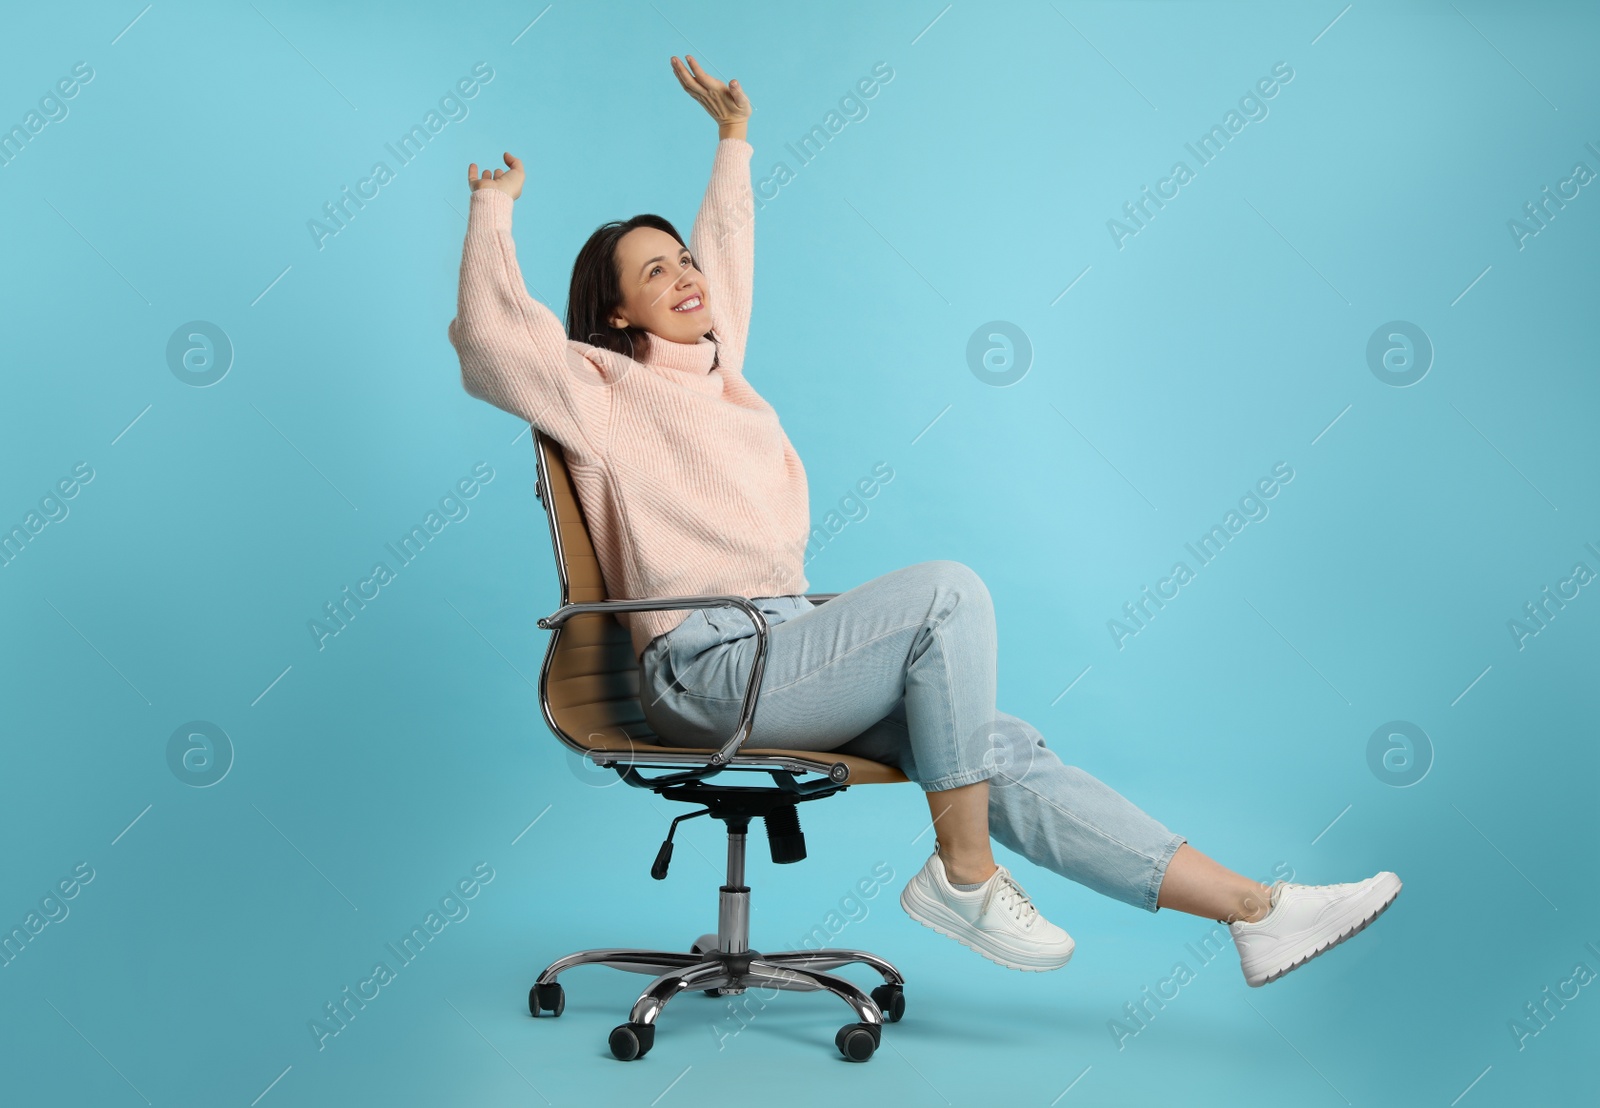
[1327,945]
[934,915]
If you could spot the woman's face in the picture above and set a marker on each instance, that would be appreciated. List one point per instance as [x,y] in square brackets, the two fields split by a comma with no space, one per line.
[662,291]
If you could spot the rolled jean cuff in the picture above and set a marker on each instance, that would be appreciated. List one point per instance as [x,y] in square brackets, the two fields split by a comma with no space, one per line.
[956,780]
[1158,871]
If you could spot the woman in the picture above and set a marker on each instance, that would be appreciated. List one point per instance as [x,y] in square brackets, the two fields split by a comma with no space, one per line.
[691,488]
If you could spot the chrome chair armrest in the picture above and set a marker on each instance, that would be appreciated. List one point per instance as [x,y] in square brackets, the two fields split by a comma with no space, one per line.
[747,712]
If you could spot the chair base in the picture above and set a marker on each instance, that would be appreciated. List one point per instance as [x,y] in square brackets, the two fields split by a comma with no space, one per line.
[729,973]
[723,963]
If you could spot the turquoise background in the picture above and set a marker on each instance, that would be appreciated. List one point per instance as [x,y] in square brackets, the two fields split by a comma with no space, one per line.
[1229,334]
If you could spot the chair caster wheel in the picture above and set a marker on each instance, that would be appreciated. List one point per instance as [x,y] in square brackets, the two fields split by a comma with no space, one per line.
[632,1040]
[551,998]
[705,944]
[857,1041]
[891,1001]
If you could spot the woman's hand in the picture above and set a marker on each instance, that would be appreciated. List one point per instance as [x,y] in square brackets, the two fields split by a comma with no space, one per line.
[508,181]
[726,103]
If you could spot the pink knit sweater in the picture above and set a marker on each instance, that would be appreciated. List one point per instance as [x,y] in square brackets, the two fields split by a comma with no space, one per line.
[688,483]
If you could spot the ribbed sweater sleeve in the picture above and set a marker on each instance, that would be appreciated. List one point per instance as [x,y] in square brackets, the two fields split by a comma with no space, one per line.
[723,245]
[514,351]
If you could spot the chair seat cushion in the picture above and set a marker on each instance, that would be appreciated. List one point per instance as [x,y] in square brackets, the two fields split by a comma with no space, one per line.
[863,771]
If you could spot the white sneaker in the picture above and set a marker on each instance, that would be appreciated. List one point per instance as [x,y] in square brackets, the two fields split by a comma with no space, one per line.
[997,919]
[1306,920]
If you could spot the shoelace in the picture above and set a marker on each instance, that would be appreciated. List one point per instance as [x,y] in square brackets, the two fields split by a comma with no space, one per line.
[1020,904]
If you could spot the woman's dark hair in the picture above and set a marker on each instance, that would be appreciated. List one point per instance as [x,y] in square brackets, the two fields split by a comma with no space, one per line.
[596,290]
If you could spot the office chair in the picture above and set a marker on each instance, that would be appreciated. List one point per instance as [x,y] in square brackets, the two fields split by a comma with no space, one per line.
[589,693]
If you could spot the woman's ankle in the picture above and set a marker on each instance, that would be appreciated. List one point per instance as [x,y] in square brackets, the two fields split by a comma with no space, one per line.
[964,871]
[1254,905]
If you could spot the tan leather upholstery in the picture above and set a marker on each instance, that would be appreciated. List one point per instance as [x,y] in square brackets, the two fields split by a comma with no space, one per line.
[590,683]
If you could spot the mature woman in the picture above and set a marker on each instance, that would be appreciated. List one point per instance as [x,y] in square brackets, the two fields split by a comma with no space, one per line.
[690,487]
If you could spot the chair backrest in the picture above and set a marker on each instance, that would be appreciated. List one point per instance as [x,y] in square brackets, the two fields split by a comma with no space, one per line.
[591,677]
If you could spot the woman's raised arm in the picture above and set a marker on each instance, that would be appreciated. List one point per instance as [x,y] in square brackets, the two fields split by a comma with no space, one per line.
[723,237]
[514,351]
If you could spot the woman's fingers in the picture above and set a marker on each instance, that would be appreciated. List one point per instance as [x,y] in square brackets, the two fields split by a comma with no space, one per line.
[686,79]
[694,79]
[475,177]
[700,74]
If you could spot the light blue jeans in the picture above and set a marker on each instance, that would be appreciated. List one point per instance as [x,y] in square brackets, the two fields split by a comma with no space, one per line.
[902,670]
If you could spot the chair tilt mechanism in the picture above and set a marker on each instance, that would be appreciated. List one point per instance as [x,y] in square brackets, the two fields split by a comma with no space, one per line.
[589,694]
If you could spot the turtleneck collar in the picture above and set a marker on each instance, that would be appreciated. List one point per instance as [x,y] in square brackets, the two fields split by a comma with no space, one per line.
[689,357]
